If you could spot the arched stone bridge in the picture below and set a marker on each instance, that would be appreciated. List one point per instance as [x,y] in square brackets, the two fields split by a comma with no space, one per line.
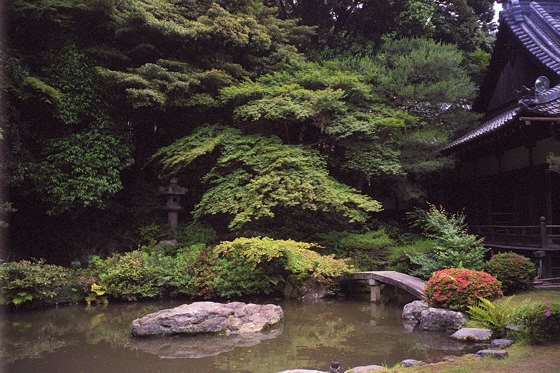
[410,284]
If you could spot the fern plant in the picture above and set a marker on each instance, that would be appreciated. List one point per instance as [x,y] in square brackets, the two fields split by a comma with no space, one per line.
[493,316]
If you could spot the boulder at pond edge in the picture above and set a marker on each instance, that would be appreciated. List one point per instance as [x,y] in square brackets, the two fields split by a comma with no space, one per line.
[208,317]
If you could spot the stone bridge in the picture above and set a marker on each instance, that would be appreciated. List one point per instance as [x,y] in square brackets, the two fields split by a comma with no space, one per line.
[410,284]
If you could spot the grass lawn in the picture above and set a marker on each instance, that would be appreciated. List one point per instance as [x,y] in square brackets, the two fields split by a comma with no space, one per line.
[522,358]
[534,296]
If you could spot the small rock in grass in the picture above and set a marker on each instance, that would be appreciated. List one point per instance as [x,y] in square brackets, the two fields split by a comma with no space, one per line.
[500,343]
[472,335]
[495,354]
[365,369]
[410,363]
[478,357]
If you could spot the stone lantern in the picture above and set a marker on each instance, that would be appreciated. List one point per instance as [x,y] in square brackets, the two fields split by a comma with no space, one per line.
[173,192]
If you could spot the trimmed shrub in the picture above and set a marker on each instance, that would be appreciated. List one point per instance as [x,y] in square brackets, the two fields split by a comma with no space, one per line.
[368,251]
[248,266]
[539,323]
[458,288]
[130,276]
[33,283]
[513,270]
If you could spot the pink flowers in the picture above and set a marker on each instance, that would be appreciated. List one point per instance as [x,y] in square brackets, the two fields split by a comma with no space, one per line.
[462,286]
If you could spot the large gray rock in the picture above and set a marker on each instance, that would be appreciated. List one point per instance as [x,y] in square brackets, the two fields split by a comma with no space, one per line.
[472,335]
[441,319]
[413,310]
[365,369]
[208,317]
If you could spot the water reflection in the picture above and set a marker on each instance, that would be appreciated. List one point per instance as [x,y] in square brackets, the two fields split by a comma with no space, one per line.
[201,346]
[93,339]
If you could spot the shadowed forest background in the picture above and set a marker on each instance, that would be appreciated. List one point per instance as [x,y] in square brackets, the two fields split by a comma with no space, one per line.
[309,120]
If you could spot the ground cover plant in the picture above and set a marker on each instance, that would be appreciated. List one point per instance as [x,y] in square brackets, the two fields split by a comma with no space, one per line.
[458,288]
[539,322]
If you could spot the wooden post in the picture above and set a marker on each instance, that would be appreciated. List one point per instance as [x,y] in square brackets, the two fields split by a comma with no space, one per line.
[544,242]
[375,291]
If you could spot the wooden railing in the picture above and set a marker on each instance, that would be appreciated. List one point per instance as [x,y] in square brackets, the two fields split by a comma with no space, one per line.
[542,236]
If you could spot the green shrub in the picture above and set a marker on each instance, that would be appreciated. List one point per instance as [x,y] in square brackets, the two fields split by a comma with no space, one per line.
[453,246]
[33,283]
[493,316]
[195,233]
[513,270]
[367,251]
[248,266]
[458,288]
[539,323]
[185,234]
[130,276]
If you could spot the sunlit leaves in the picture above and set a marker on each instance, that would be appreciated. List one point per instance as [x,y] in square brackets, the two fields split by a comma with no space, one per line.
[254,176]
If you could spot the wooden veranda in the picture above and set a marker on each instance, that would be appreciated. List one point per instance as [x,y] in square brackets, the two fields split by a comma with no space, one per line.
[541,241]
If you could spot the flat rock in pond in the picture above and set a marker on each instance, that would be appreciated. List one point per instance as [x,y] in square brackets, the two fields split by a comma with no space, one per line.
[472,335]
[208,317]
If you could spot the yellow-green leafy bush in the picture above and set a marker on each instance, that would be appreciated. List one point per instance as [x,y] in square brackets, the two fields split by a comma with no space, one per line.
[258,265]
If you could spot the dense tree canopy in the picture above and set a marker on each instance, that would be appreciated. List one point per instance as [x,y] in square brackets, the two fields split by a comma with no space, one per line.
[264,109]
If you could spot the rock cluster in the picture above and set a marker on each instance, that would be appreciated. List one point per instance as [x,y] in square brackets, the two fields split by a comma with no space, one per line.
[208,317]
[433,318]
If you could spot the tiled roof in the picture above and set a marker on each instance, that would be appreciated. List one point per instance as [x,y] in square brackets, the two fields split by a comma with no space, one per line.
[537,26]
[489,125]
[546,103]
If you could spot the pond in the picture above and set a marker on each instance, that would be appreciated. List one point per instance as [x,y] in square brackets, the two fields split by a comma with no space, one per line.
[97,339]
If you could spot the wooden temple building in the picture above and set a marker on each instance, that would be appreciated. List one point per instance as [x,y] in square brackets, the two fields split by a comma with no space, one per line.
[503,181]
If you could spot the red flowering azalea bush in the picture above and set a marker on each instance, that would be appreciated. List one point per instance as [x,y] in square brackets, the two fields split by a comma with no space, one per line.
[458,288]
[513,270]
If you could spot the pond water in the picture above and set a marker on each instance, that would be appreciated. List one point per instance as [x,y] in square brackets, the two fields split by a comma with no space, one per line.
[97,339]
